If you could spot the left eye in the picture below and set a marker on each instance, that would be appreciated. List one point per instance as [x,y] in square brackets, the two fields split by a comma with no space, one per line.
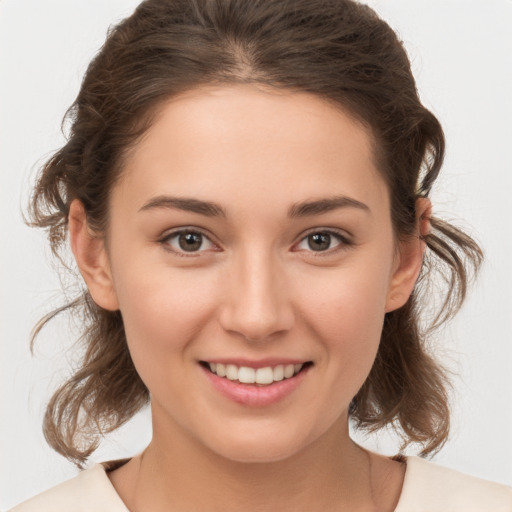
[320,241]
[188,241]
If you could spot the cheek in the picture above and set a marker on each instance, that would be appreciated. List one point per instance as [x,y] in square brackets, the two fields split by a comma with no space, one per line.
[162,311]
[346,313]
[350,303]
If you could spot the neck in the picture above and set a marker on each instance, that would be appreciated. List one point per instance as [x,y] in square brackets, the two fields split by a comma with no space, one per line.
[176,472]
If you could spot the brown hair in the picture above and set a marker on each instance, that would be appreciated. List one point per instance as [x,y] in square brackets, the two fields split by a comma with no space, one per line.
[336,49]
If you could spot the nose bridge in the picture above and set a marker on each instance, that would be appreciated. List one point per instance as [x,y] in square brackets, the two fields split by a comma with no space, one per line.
[257,305]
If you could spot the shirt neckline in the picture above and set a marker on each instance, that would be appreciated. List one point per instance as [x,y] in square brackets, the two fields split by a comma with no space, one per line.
[105,467]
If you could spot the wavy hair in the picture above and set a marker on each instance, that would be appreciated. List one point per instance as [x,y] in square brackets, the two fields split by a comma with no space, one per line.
[339,50]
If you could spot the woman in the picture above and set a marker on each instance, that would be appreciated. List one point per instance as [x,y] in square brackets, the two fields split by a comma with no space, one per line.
[245,190]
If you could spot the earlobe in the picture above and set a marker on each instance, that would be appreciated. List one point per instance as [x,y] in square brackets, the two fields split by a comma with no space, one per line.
[409,258]
[91,257]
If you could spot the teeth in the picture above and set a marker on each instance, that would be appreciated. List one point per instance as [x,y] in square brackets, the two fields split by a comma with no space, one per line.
[221,370]
[289,370]
[247,375]
[231,372]
[262,376]
[278,372]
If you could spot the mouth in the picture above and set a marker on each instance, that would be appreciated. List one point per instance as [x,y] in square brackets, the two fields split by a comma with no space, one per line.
[262,376]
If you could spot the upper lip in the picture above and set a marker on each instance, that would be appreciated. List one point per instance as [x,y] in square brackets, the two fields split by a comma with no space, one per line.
[260,363]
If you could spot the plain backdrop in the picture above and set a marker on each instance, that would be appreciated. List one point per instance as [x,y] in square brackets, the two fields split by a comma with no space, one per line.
[461,54]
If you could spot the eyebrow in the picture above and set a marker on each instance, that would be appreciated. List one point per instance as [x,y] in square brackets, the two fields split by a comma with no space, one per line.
[320,206]
[210,209]
[206,208]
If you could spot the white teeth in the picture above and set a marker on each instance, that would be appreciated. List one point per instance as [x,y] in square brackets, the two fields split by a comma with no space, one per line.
[221,370]
[279,372]
[262,376]
[231,372]
[247,375]
[289,370]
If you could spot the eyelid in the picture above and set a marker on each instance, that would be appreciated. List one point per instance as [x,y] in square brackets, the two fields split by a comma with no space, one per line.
[168,235]
[343,237]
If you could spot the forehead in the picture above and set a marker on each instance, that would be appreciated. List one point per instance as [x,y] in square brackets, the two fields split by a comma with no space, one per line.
[246,140]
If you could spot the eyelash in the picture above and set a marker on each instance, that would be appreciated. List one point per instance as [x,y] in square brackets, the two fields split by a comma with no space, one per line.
[343,242]
[165,241]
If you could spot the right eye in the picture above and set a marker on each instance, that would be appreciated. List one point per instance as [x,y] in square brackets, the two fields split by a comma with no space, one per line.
[188,241]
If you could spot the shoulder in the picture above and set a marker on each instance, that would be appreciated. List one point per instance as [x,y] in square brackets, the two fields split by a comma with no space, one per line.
[90,491]
[429,487]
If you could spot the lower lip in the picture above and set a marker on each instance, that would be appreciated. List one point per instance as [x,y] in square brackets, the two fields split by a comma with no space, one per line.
[255,395]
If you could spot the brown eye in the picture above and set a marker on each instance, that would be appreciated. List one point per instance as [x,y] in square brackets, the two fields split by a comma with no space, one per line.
[322,241]
[319,241]
[188,242]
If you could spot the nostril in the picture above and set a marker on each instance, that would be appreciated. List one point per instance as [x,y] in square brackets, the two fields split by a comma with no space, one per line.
[256,312]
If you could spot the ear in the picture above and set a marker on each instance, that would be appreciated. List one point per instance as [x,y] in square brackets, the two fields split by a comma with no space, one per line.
[409,258]
[91,257]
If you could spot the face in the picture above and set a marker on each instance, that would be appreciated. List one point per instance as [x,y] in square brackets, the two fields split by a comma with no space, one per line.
[250,234]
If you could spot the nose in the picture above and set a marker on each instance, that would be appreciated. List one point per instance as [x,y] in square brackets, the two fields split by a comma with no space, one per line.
[256,305]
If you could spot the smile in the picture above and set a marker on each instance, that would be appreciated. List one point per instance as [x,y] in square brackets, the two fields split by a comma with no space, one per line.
[262,376]
[256,384]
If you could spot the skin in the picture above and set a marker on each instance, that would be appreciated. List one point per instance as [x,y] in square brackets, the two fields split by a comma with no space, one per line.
[255,289]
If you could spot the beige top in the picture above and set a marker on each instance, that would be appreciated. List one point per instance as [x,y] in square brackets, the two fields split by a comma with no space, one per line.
[428,487]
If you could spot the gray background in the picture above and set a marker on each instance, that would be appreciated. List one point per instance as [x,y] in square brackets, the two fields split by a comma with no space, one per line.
[461,54]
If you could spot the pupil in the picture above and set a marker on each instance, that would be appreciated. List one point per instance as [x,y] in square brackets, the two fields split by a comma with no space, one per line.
[319,241]
[190,241]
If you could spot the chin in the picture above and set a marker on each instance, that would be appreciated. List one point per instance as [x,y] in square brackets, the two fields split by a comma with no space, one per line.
[257,455]
[263,446]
